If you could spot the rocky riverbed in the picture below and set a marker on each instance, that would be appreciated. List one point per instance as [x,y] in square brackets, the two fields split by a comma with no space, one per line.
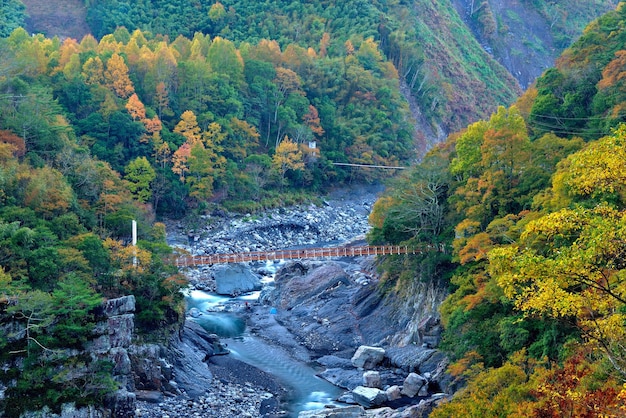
[340,218]
[320,310]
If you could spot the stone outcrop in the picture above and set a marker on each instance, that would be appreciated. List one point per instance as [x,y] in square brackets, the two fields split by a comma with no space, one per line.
[113,345]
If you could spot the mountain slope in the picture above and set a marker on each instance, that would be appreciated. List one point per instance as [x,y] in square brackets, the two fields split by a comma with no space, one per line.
[458,64]
[62,18]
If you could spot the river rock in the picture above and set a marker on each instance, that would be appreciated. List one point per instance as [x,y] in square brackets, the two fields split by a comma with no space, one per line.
[393,393]
[369,397]
[371,379]
[235,279]
[353,411]
[367,357]
[412,384]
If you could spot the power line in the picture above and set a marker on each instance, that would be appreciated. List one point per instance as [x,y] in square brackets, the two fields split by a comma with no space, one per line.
[569,118]
[564,129]
[371,166]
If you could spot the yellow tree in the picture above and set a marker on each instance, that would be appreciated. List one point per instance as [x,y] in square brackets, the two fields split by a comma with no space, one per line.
[597,172]
[116,77]
[188,127]
[570,265]
[68,49]
[287,157]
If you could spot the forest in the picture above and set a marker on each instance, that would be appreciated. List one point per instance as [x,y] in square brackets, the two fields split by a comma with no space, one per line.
[143,120]
[531,203]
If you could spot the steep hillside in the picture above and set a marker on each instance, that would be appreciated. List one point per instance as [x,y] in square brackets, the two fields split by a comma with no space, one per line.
[532,204]
[63,18]
[526,37]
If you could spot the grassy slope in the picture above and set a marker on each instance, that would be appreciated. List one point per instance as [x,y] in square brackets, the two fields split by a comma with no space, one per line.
[63,18]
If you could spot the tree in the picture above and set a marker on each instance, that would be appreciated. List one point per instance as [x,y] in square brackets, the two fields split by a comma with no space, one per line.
[241,140]
[468,147]
[188,127]
[595,173]
[16,145]
[205,162]
[179,160]
[258,166]
[569,265]
[422,200]
[140,175]
[117,78]
[225,59]
[93,70]
[286,157]
[217,12]
[162,99]
[135,108]
[47,192]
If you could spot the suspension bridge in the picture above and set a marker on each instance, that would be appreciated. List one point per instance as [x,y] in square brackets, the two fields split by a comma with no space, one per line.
[275,255]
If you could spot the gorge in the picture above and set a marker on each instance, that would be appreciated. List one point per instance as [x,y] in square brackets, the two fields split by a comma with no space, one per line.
[315,312]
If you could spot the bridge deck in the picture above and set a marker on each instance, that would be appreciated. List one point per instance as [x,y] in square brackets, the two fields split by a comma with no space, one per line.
[185,261]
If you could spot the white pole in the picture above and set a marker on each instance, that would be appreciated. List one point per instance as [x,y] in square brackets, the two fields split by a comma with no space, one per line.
[135,243]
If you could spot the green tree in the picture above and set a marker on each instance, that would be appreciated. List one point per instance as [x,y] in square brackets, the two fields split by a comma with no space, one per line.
[140,174]
[12,17]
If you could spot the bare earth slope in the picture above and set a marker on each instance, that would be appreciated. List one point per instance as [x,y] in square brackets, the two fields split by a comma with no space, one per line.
[62,18]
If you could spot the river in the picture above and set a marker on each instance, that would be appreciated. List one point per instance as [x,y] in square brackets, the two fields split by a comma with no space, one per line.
[221,315]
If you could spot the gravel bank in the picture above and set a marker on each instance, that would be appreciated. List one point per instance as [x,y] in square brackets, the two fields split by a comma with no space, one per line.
[341,218]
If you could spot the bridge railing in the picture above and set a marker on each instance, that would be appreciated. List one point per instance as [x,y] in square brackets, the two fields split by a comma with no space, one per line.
[273,255]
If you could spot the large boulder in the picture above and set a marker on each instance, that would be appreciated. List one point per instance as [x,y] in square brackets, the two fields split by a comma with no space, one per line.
[367,357]
[369,397]
[412,384]
[371,379]
[235,279]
